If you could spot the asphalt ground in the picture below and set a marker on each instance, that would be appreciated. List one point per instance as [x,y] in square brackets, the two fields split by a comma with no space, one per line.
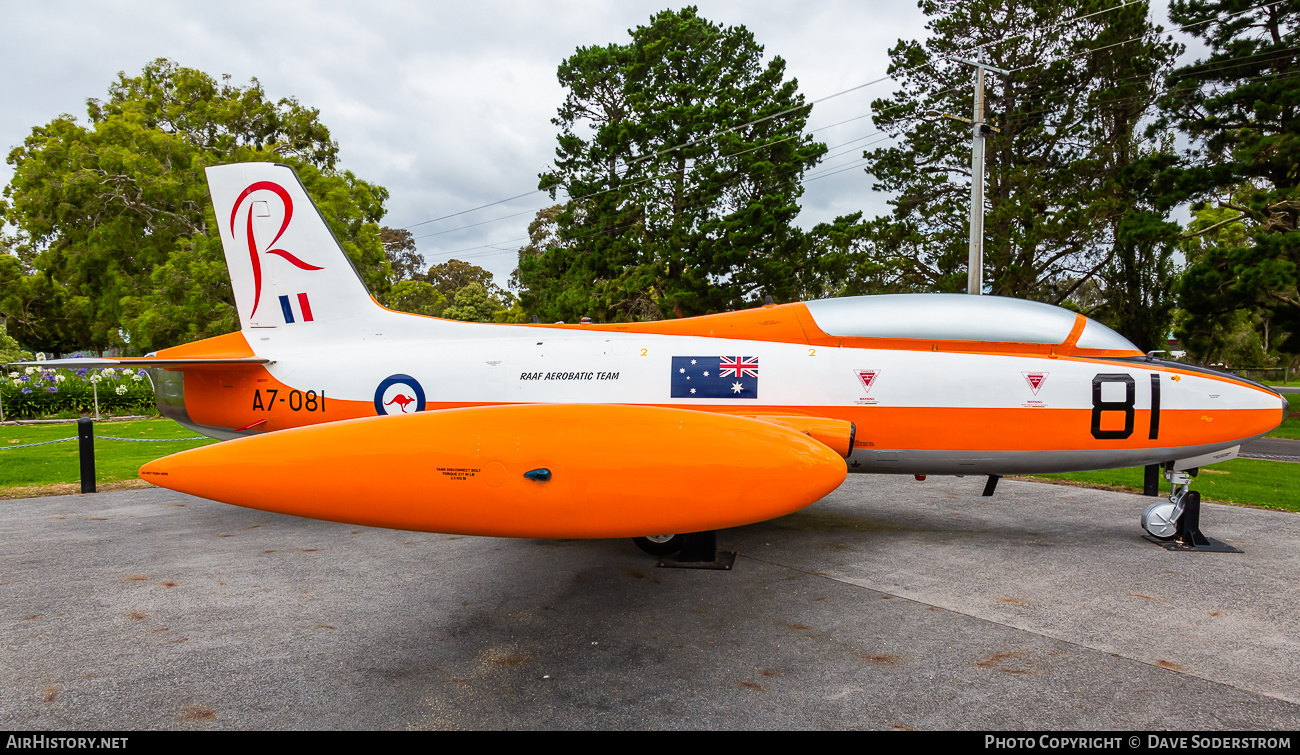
[1278,449]
[892,603]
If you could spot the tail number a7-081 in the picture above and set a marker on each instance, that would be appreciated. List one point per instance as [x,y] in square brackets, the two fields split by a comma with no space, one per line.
[298,401]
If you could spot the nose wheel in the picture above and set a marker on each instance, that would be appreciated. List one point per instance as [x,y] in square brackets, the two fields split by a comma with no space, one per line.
[1175,524]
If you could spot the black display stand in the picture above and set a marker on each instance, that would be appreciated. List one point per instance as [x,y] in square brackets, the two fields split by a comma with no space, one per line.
[1151,481]
[1189,536]
[699,551]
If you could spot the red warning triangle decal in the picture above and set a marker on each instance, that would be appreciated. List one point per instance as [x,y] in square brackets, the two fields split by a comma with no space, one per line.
[867,377]
[1035,380]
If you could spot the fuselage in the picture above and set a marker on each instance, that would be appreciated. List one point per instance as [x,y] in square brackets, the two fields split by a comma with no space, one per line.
[934,384]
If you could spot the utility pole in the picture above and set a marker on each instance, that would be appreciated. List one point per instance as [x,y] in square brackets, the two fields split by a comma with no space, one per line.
[975,259]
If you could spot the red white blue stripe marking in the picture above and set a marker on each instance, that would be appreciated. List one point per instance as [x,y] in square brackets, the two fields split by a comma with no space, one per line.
[304,308]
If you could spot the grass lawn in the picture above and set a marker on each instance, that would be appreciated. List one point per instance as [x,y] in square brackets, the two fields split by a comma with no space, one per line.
[54,470]
[45,470]
[1254,482]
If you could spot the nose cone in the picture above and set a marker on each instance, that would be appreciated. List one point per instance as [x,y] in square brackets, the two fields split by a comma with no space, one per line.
[169,472]
[1260,404]
[1269,399]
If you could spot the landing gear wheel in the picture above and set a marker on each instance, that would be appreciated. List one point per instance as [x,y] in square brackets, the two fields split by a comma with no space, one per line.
[1161,520]
[660,545]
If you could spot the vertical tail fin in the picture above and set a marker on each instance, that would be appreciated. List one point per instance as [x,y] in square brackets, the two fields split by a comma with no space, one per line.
[286,266]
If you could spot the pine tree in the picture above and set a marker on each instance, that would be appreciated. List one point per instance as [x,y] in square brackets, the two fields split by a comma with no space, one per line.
[1067,130]
[680,203]
[1241,106]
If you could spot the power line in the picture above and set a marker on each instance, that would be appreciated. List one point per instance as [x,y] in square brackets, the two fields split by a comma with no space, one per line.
[472,209]
[1176,85]
[700,140]
[721,158]
[1062,23]
[787,111]
[1187,75]
[1144,36]
[630,183]
[588,233]
[854,166]
[1154,93]
[592,232]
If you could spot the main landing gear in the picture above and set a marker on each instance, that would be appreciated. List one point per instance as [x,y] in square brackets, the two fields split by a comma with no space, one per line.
[695,550]
[660,545]
[1175,524]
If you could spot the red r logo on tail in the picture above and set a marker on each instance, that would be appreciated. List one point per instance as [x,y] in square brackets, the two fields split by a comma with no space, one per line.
[252,242]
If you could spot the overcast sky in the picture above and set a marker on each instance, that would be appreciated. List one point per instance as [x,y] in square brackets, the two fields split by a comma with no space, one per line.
[448,105]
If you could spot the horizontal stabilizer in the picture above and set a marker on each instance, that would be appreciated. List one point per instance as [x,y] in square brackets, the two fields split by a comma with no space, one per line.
[74,363]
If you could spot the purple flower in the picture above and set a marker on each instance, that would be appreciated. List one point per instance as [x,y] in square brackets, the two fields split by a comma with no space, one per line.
[78,355]
[82,372]
[53,389]
[27,390]
[142,373]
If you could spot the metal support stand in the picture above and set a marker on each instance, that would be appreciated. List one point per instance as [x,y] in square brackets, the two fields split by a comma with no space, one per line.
[699,551]
[1184,509]
[86,451]
[991,485]
[1151,481]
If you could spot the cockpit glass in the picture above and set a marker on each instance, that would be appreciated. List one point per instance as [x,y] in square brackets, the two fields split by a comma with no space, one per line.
[950,317]
[1098,336]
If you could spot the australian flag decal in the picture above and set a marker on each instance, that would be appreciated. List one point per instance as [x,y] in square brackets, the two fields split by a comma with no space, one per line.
[715,377]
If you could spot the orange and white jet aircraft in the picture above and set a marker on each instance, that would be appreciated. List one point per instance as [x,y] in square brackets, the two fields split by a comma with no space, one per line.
[337,408]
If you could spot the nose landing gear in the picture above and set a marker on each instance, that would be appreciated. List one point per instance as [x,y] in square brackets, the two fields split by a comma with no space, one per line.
[1175,524]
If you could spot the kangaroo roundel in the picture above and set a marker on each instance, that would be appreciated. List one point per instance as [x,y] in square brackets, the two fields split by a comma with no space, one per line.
[399,394]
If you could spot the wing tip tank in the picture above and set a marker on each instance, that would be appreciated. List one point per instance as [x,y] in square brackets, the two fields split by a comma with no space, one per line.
[465,471]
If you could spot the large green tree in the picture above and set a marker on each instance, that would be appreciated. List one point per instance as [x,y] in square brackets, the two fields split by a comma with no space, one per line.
[1126,61]
[451,276]
[1067,114]
[403,257]
[681,153]
[117,244]
[1244,337]
[1241,106]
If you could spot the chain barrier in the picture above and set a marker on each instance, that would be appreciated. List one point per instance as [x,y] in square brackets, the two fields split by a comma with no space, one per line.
[152,440]
[106,437]
[33,445]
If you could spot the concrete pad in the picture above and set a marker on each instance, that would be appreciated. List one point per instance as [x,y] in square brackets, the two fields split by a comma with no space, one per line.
[892,603]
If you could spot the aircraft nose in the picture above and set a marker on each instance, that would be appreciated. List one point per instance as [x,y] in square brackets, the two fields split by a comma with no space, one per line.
[1282,404]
